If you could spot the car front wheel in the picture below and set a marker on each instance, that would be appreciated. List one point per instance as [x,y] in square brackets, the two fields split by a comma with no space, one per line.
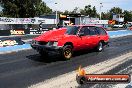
[67,52]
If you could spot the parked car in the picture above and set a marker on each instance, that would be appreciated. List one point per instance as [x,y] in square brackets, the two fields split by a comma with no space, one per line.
[118,26]
[69,39]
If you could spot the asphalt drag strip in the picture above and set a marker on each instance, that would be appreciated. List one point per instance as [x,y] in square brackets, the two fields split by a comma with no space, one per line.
[68,80]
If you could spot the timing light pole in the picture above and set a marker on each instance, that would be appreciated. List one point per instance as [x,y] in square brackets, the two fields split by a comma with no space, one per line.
[100,9]
[56,14]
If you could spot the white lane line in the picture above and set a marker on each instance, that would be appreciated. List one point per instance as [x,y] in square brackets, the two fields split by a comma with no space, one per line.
[68,80]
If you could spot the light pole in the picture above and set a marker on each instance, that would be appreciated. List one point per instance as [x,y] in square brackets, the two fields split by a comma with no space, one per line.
[100,9]
[56,14]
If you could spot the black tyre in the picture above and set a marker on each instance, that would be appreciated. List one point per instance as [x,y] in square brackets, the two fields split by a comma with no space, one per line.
[100,47]
[67,52]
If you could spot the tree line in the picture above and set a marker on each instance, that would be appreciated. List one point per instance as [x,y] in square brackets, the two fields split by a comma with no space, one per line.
[24,8]
[33,8]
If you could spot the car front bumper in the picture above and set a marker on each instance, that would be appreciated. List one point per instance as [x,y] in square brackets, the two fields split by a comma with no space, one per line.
[48,49]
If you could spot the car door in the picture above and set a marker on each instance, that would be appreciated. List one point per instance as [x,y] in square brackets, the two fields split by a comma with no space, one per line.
[85,39]
[80,40]
[94,38]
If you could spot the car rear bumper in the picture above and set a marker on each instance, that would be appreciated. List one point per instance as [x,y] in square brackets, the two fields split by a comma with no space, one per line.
[48,49]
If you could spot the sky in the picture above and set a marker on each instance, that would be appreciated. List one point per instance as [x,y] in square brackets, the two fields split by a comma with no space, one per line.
[69,5]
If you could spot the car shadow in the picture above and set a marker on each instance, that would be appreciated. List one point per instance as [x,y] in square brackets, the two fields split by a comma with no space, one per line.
[49,59]
[57,57]
[85,52]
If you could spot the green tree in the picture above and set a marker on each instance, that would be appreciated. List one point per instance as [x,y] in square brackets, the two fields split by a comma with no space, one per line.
[75,10]
[116,10]
[127,15]
[1,13]
[66,12]
[89,11]
[94,12]
[106,16]
[82,11]
[24,8]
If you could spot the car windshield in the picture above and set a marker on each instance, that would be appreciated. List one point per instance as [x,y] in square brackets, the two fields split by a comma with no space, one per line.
[72,30]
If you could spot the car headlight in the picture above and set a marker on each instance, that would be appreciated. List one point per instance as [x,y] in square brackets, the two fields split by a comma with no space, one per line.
[34,42]
[52,43]
[55,43]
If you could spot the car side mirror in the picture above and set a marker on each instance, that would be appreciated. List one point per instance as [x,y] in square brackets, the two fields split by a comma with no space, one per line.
[81,34]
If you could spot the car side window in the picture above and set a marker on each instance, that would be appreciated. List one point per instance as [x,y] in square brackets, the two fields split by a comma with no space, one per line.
[85,30]
[89,31]
[92,31]
[100,31]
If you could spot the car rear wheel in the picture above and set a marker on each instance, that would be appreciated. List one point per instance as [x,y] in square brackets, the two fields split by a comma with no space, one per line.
[100,47]
[67,52]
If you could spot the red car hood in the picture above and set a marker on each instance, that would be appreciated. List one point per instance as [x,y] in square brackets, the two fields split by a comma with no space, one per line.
[52,35]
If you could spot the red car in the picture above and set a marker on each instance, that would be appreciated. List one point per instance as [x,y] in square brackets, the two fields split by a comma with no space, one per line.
[69,39]
[130,28]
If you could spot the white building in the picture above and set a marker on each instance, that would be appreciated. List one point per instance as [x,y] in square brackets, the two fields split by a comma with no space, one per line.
[118,17]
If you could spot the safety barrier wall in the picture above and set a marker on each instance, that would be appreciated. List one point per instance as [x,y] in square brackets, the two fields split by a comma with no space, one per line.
[4,32]
[38,31]
[6,41]
[14,32]
[21,32]
[6,20]
[8,23]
